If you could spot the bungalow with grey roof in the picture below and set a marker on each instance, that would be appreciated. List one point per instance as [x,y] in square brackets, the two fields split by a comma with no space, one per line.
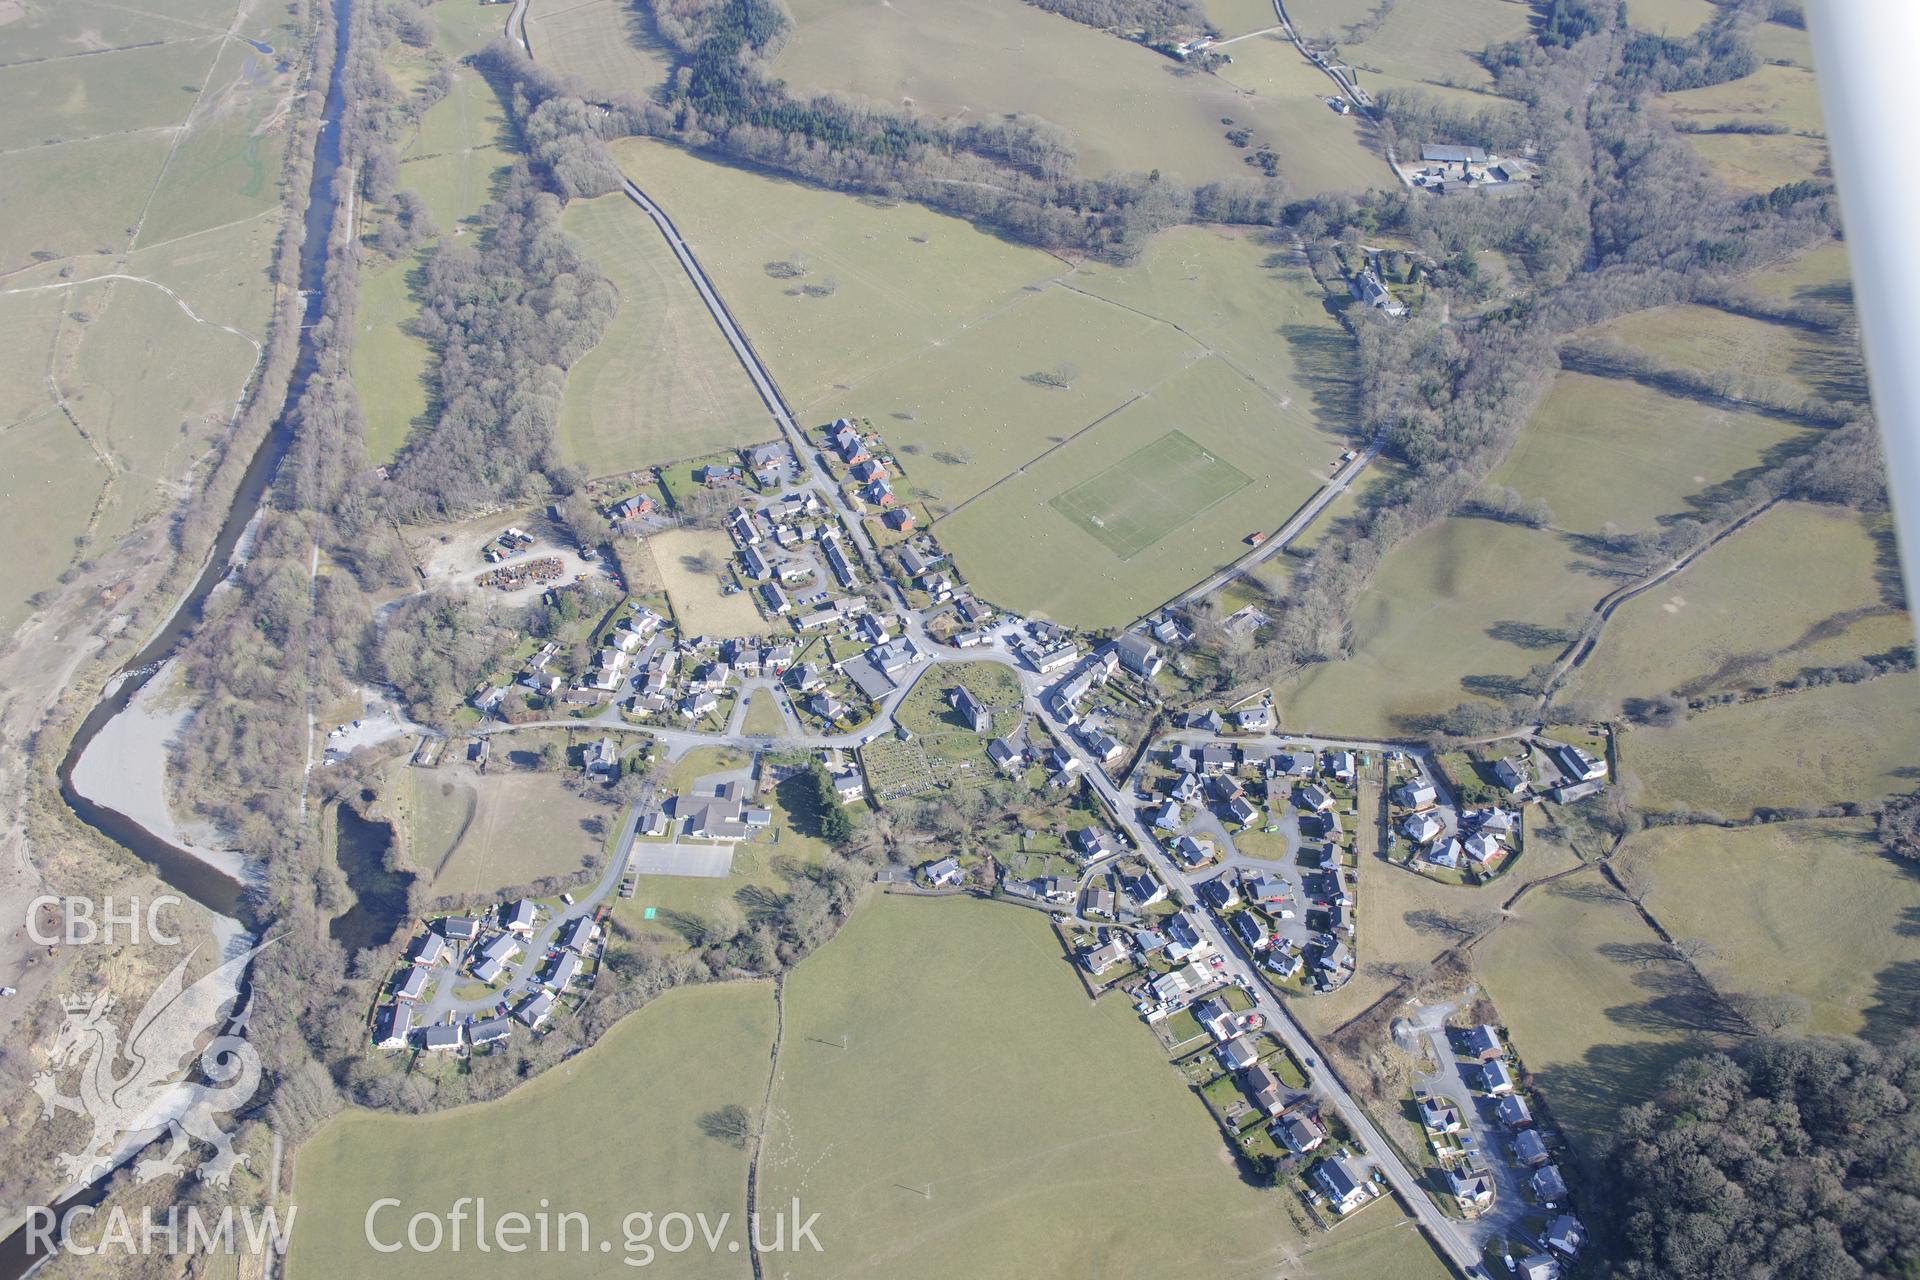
[1266,888]
[1538,1266]
[1247,928]
[442,1038]
[1313,798]
[1004,754]
[1215,1018]
[1264,1087]
[1191,851]
[1548,1186]
[1513,1112]
[427,949]
[392,1026]
[460,928]
[943,874]
[1168,816]
[1471,1187]
[1242,811]
[1099,901]
[489,1031]
[1495,1078]
[578,933]
[1300,1131]
[1255,719]
[1481,1043]
[1421,827]
[518,916]
[563,972]
[1095,842]
[1104,957]
[1566,1236]
[1184,940]
[1336,1180]
[1443,853]
[1237,1055]
[1418,793]
[1510,774]
[1530,1149]
[535,1009]
[1145,890]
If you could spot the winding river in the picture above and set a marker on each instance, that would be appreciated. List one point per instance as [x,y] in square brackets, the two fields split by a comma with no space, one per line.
[193,877]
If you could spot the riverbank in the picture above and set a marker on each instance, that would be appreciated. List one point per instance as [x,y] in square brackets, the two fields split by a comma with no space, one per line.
[124,769]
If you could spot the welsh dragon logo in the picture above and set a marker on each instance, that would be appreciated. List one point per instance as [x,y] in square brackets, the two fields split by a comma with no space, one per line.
[140,1088]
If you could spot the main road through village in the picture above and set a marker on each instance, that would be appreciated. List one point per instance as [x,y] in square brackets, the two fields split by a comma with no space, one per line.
[1448,1234]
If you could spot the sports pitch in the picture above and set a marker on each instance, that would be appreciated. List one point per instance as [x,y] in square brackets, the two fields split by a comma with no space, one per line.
[1149,493]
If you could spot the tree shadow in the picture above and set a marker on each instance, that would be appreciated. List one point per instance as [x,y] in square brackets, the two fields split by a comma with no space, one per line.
[760,903]
[1895,1010]
[1323,361]
[694,929]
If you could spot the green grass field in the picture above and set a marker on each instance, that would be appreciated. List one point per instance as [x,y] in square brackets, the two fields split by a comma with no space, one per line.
[984,1120]
[76,198]
[1376,1246]
[973,409]
[663,384]
[1719,342]
[1433,47]
[1823,274]
[478,836]
[1000,389]
[1392,899]
[1676,19]
[615,1131]
[96,166]
[1606,451]
[1803,750]
[1800,587]
[1768,900]
[1596,1023]
[608,44]
[141,88]
[1149,493]
[227,167]
[390,364]
[1448,613]
[906,278]
[1063,570]
[459,151]
[1124,106]
[1783,95]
